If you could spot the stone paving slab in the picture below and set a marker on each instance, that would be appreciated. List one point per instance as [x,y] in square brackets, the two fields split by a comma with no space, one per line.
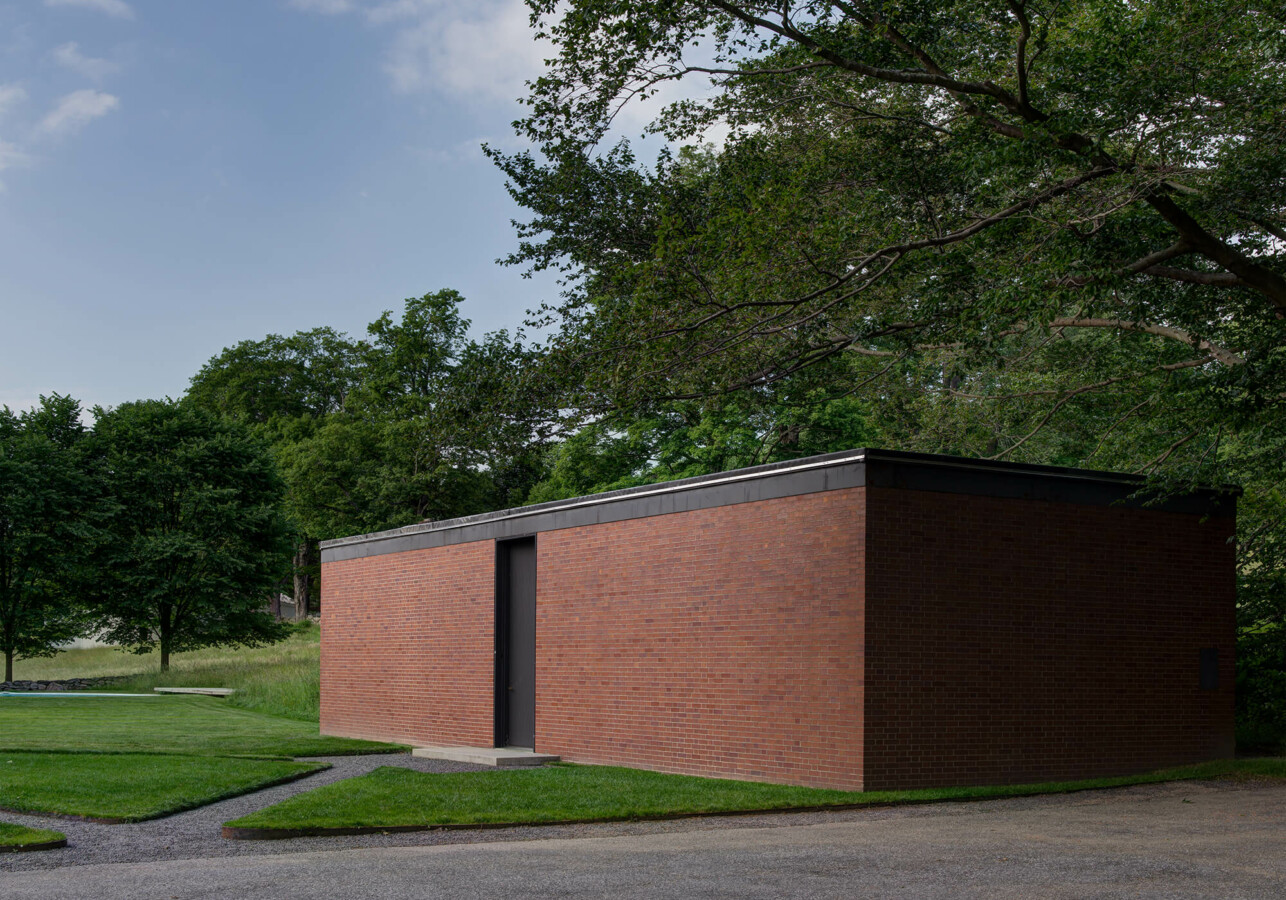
[500,757]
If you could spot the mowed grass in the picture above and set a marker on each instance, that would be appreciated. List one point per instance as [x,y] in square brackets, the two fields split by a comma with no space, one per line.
[390,797]
[283,679]
[132,787]
[199,726]
[18,837]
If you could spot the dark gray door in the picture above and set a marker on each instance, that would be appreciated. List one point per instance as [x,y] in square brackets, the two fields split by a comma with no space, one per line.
[516,650]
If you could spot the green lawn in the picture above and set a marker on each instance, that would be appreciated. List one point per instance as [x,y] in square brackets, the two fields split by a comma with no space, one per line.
[161,724]
[390,797]
[282,679]
[132,787]
[19,837]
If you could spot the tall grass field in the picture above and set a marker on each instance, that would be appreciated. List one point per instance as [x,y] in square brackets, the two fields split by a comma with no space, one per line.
[282,679]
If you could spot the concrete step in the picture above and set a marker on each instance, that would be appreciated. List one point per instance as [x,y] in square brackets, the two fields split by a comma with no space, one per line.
[209,692]
[486,756]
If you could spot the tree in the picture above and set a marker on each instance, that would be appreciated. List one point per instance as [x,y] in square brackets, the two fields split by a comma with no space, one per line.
[1047,231]
[197,539]
[45,528]
[284,387]
[417,421]
[907,177]
[684,439]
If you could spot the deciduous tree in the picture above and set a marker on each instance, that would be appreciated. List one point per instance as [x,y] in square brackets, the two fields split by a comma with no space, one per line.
[197,539]
[46,527]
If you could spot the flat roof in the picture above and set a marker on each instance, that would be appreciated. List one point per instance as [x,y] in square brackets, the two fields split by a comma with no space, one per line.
[830,471]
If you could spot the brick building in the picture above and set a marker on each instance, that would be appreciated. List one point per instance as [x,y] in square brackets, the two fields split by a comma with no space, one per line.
[863,620]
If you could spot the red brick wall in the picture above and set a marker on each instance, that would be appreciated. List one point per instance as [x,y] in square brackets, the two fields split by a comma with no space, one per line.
[722,641]
[407,646]
[1013,640]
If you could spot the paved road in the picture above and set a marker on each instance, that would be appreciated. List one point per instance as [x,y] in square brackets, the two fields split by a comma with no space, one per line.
[1209,839]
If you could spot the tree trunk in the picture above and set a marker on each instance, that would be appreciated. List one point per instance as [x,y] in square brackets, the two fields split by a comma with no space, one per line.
[8,665]
[303,578]
[165,656]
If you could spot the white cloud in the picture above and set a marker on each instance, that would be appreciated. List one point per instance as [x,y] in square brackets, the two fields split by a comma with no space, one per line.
[325,7]
[117,8]
[488,55]
[480,50]
[10,96]
[69,56]
[393,10]
[11,156]
[75,111]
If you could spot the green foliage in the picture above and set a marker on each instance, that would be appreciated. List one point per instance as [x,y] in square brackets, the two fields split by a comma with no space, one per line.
[196,541]
[417,421]
[1053,233]
[391,797]
[183,725]
[46,504]
[684,439]
[307,374]
[904,178]
[132,787]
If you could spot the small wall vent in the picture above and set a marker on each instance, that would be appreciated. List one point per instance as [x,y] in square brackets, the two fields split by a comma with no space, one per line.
[1210,668]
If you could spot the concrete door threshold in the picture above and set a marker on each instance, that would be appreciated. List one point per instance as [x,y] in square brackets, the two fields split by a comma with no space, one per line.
[486,756]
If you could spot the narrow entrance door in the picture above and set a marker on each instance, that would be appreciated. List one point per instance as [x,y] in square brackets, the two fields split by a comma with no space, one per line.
[516,643]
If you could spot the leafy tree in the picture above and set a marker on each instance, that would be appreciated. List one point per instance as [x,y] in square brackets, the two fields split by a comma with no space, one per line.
[304,375]
[1049,231]
[45,526]
[683,439]
[438,427]
[285,387]
[416,421]
[903,177]
[197,539]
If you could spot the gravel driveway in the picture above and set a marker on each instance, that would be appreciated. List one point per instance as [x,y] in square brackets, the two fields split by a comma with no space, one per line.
[1224,839]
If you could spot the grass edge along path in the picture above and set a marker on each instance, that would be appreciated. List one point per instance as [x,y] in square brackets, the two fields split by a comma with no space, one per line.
[390,799]
[21,839]
[133,787]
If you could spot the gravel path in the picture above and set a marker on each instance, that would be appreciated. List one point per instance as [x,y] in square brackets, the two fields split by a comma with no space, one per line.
[196,834]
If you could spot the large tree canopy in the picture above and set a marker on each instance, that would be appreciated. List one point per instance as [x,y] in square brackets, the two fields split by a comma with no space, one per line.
[915,179]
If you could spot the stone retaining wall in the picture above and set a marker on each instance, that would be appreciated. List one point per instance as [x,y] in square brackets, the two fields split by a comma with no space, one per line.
[66,684]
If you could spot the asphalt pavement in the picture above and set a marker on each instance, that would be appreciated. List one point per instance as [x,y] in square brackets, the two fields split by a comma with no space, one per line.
[1223,839]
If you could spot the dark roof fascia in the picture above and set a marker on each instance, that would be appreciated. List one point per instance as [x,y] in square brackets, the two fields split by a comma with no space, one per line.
[833,471]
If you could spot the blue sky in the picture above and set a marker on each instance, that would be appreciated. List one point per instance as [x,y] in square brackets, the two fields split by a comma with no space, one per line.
[179,175]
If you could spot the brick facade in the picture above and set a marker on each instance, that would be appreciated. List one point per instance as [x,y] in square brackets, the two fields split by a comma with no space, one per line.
[724,641]
[407,646]
[1011,641]
[862,637]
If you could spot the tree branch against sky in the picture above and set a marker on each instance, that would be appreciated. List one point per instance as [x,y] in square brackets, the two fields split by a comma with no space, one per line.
[904,176]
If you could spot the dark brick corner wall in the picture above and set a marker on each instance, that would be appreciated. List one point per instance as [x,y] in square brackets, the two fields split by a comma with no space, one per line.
[1011,641]
[407,646]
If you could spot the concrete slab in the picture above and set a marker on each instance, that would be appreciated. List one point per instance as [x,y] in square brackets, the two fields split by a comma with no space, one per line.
[486,756]
[209,692]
